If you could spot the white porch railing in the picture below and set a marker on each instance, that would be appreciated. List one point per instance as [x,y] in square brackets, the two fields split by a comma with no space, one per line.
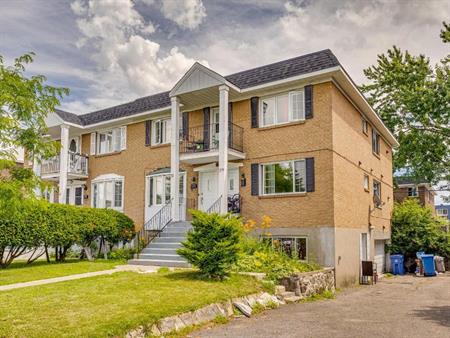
[77,164]
[215,207]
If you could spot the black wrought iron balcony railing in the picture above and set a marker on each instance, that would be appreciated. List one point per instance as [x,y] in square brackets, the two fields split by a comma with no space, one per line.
[206,138]
[77,164]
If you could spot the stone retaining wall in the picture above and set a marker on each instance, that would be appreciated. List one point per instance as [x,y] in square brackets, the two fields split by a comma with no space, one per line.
[307,284]
[205,314]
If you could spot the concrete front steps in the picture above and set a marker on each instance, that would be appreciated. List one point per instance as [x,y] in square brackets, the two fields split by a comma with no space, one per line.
[162,250]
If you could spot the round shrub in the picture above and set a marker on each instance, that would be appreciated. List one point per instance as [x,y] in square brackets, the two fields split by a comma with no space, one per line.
[213,244]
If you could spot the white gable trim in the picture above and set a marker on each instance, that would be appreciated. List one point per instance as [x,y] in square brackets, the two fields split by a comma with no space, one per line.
[199,77]
[107,177]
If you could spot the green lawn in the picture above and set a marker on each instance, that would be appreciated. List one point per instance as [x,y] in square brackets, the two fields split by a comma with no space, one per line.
[110,305]
[19,272]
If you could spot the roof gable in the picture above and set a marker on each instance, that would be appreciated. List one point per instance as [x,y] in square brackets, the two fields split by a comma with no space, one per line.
[196,78]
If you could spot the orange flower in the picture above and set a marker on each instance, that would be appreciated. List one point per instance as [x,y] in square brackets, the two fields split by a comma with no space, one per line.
[266,222]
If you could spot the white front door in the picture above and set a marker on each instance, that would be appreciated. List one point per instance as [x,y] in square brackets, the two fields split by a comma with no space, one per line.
[208,187]
[157,194]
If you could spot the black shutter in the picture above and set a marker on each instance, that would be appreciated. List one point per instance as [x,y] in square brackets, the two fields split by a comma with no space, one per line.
[254,103]
[185,125]
[255,179]
[206,128]
[230,125]
[310,184]
[148,128]
[309,102]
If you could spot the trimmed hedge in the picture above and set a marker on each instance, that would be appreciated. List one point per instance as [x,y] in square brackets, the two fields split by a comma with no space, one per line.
[38,224]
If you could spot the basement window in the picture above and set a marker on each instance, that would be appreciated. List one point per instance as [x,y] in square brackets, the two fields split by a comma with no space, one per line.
[294,247]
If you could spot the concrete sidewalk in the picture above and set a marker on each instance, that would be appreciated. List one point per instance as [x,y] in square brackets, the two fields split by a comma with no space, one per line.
[119,268]
[403,306]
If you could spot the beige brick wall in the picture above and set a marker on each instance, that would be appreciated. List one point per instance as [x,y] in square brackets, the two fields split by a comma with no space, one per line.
[352,159]
[333,137]
[132,163]
[425,198]
[293,141]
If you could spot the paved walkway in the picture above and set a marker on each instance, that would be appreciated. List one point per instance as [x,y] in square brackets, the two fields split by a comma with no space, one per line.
[119,268]
[396,307]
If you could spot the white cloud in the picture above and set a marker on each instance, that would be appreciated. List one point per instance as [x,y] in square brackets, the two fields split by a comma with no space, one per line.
[129,62]
[186,13]
[356,31]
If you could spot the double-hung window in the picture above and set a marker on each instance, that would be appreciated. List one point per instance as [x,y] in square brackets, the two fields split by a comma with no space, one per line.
[108,193]
[412,192]
[365,126]
[161,131]
[375,142]
[377,193]
[110,141]
[294,247]
[366,182]
[283,108]
[284,177]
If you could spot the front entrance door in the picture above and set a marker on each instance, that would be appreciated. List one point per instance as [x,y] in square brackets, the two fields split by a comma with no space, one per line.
[157,194]
[208,187]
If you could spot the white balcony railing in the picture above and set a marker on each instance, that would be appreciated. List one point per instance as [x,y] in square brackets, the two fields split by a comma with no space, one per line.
[77,165]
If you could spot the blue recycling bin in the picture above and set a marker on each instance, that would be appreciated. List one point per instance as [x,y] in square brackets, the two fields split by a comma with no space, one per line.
[397,265]
[428,265]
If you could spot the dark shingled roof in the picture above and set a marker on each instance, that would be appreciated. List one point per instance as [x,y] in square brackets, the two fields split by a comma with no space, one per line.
[69,117]
[399,180]
[284,69]
[249,78]
[137,106]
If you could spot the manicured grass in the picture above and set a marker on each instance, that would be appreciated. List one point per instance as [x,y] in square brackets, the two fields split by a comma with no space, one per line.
[19,272]
[110,305]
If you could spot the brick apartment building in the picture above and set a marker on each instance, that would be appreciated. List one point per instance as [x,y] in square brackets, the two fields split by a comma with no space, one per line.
[301,145]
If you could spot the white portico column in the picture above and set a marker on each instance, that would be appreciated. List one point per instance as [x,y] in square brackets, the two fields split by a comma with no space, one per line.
[37,172]
[175,158]
[63,163]
[223,148]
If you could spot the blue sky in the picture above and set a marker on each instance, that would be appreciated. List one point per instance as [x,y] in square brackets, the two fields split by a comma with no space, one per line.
[112,51]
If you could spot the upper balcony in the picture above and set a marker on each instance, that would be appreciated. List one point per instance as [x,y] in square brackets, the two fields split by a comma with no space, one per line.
[77,167]
[201,144]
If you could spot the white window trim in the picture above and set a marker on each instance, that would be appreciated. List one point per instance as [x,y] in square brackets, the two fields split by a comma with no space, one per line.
[290,119]
[122,134]
[368,183]
[262,175]
[440,212]
[378,144]
[379,190]
[147,188]
[414,189]
[153,140]
[365,126]
[109,178]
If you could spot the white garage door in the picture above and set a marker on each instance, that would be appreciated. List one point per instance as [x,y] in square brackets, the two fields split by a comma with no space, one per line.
[380,256]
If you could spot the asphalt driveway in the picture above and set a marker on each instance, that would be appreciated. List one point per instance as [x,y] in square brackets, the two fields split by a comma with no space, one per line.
[404,306]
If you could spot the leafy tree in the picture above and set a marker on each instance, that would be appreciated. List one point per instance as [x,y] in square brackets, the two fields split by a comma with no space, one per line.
[214,243]
[414,228]
[25,102]
[412,97]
